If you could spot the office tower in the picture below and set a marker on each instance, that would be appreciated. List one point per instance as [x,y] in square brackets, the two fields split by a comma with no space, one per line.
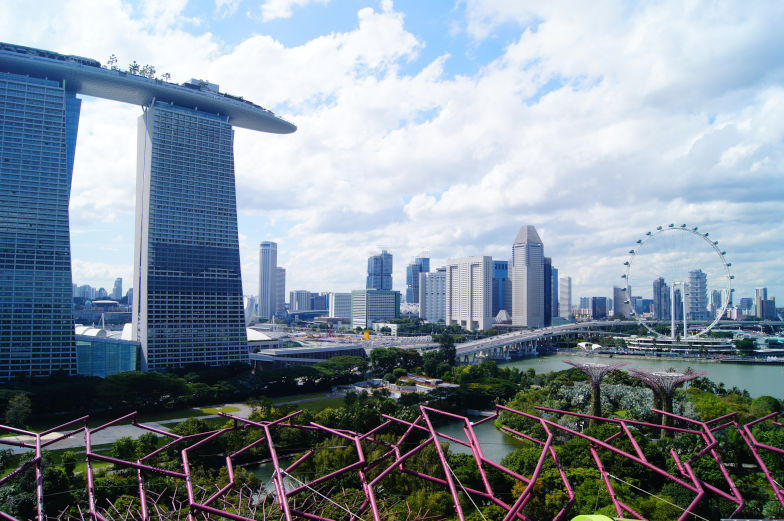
[102,293]
[764,308]
[319,301]
[469,292]
[502,287]
[662,299]
[553,294]
[697,296]
[528,284]
[677,306]
[379,274]
[38,124]
[117,292]
[746,305]
[188,308]
[715,303]
[299,300]
[280,290]
[620,307]
[598,308]
[417,266]
[432,296]
[548,291]
[268,264]
[340,305]
[129,296]
[565,297]
[369,306]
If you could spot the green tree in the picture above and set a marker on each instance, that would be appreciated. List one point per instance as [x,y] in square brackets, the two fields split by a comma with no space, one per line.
[19,410]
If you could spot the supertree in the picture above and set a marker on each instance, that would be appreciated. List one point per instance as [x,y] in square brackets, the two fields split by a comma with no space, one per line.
[663,385]
[595,372]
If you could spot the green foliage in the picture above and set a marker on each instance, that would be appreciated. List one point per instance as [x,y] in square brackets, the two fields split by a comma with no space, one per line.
[18,411]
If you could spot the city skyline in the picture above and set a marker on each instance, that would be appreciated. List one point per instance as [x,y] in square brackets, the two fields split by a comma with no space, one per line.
[416,179]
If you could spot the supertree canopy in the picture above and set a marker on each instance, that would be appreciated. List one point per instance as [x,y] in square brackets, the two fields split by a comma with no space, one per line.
[663,385]
[596,372]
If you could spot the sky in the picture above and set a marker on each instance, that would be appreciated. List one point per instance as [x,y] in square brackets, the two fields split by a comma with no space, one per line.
[445,126]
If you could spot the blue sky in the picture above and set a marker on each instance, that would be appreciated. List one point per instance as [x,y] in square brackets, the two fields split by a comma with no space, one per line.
[446,125]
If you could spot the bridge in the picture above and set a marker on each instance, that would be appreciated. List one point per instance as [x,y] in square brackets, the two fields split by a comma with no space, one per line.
[525,342]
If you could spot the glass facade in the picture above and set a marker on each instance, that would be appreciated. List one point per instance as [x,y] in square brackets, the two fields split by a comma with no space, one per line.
[105,356]
[419,265]
[189,306]
[38,126]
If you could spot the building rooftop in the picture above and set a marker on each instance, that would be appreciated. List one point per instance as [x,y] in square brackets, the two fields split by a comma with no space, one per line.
[86,76]
[527,235]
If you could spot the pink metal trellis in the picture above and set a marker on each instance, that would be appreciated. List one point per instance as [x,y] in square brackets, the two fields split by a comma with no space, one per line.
[396,457]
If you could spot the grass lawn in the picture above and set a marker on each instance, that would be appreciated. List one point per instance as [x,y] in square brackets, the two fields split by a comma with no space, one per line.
[228,409]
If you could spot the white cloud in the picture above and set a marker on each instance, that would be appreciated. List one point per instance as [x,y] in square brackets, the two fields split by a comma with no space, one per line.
[597,123]
[274,9]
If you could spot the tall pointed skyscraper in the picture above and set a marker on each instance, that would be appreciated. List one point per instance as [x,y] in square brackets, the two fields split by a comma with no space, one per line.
[527,274]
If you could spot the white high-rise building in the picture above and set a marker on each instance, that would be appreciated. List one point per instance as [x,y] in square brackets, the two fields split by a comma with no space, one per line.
[280,290]
[469,292]
[117,292]
[268,263]
[527,274]
[432,295]
[697,296]
[340,305]
[565,297]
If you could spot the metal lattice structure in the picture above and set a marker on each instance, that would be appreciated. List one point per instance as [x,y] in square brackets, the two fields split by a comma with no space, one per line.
[299,497]
[663,384]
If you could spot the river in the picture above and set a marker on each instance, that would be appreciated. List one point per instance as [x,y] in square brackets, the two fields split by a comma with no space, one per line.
[757,379]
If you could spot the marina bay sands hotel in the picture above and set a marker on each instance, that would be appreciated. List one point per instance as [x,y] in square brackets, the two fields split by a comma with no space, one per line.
[187,298]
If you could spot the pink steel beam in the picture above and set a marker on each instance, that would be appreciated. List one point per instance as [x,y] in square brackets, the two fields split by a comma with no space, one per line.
[698,486]
[37,461]
[755,446]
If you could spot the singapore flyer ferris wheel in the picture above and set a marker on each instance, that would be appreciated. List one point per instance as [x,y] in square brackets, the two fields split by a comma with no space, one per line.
[677,282]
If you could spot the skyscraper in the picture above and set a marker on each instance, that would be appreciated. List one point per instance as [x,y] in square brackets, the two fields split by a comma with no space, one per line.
[598,308]
[268,263]
[502,287]
[186,264]
[697,296]
[469,292]
[554,294]
[117,291]
[417,266]
[38,123]
[565,297]
[379,273]
[528,281]
[620,306]
[432,296]
[280,289]
[548,291]
[189,306]
[661,299]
